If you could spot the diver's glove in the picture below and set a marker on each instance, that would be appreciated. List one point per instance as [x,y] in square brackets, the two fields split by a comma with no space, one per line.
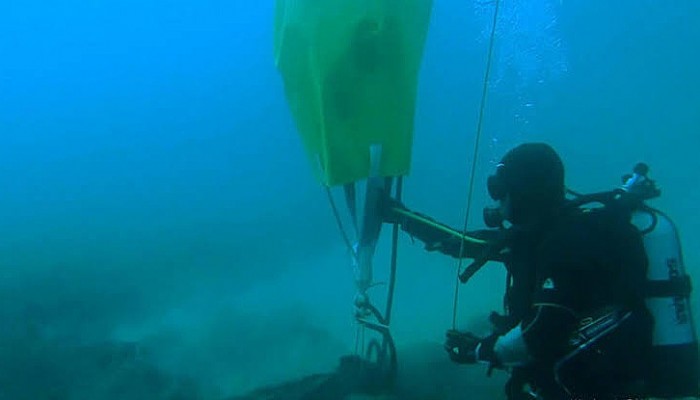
[461,346]
[467,348]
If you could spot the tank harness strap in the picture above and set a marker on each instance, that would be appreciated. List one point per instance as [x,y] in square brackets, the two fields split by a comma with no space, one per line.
[680,286]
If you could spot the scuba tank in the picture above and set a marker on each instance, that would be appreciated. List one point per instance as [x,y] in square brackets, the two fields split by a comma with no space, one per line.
[674,370]
[674,366]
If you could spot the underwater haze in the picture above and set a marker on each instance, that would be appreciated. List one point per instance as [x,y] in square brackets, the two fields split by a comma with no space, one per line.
[163,234]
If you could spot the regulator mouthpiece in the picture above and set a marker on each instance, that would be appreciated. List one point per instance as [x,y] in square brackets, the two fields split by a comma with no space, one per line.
[493,218]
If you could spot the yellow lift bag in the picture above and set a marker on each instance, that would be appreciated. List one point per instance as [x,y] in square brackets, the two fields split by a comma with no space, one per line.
[350,71]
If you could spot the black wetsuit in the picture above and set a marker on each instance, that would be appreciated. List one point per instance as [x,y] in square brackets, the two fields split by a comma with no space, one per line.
[569,269]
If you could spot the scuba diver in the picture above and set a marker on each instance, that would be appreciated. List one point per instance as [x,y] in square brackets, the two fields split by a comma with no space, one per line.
[577,322]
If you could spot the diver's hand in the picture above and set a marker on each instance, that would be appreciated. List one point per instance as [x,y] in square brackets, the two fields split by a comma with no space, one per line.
[467,348]
[461,346]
